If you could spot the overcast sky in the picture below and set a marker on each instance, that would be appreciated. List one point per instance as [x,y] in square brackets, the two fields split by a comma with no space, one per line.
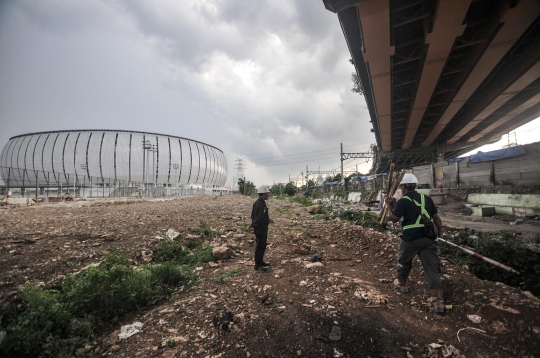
[257,79]
[268,81]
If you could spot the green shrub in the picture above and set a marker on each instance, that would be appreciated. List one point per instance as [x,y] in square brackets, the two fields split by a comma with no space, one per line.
[35,331]
[45,326]
[168,274]
[361,218]
[169,250]
[205,231]
[108,292]
[301,200]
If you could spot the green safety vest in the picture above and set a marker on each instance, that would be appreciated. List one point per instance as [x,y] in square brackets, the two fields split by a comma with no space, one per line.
[422,207]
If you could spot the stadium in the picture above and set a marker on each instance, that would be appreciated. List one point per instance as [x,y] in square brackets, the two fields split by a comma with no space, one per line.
[110,158]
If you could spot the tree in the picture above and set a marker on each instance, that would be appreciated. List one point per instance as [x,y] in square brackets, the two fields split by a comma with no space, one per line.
[290,189]
[245,187]
[357,83]
[276,189]
[311,183]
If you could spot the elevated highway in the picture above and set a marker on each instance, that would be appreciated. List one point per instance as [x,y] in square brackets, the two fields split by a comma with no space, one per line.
[443,77]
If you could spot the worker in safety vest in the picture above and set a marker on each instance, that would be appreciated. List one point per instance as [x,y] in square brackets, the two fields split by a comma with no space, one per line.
[414,240]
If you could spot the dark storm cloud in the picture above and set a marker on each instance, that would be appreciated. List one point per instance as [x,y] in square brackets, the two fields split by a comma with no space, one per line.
[254,78]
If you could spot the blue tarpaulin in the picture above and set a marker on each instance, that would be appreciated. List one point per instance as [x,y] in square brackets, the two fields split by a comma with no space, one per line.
[497,154]
[331,183]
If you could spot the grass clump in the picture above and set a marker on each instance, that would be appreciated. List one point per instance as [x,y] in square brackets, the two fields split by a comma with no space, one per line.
[243,226]
[109,292]
[205,230]
[222,278]
[284,210]
[192,253]
[302,200]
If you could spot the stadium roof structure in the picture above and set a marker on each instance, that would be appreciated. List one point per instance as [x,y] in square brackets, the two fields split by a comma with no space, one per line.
[441,78]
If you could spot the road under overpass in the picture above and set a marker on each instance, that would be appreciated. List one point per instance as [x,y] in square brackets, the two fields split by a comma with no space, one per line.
[443,77]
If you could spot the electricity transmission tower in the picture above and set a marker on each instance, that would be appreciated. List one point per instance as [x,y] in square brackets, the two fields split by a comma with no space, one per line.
[239,167]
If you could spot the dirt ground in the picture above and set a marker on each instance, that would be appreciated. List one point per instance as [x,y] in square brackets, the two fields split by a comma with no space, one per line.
[288,311]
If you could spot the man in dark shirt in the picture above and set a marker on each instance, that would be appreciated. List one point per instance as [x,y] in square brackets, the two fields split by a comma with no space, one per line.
[414,240]
[259,222]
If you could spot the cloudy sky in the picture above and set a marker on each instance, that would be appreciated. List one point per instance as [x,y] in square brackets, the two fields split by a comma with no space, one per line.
[268,81]
[263,80]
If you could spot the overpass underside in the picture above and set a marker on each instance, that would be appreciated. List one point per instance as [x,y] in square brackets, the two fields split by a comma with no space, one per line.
[443,77]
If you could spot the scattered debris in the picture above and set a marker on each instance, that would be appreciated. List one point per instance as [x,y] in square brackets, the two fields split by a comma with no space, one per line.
[314,265]
[468,328]
[172,234]
[317,257]
[335,333]
[129,330]
[474,318]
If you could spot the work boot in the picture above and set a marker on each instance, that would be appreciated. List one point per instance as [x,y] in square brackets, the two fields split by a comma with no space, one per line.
[401,284]
[438,303]
[260,268]
[265,264]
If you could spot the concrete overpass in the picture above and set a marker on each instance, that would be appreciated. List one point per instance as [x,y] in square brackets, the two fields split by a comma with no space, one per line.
[443,77]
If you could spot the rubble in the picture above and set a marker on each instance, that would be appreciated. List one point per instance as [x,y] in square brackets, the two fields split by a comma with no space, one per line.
[314,209]
[222,252]
[129,330]
[228,310]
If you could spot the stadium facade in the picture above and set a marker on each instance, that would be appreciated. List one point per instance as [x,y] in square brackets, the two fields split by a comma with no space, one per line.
[92,156]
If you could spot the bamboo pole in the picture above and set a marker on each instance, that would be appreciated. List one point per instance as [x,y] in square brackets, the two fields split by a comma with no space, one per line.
[389,183]
[395,184]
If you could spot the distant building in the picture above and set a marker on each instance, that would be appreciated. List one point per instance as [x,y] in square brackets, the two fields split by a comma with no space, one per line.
[94,156]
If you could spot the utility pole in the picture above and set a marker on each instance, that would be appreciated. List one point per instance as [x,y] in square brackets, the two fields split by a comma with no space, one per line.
[341,157]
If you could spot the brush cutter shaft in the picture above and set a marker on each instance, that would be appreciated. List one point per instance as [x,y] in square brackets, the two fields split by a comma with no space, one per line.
[487,259]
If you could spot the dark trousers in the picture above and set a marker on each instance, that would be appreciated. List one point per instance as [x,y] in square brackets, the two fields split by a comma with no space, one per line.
[427,252]
[260,239]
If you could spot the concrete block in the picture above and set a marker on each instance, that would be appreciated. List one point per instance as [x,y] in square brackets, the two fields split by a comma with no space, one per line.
[483,211]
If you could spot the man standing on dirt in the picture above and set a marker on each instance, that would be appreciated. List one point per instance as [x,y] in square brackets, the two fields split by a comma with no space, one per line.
[259,222]
[414,240]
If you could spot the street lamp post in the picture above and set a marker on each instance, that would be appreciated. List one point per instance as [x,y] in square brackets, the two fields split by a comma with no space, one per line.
[146,147]
[84,167]
[175,166]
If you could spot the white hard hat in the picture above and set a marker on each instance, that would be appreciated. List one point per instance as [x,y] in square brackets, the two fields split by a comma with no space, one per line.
[263,189]
[409,178]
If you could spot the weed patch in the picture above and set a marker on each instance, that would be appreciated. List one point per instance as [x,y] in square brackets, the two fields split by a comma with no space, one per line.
[222,278]
[49,322]
[38,327]
[301,200]
[361,218]
[205,231]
